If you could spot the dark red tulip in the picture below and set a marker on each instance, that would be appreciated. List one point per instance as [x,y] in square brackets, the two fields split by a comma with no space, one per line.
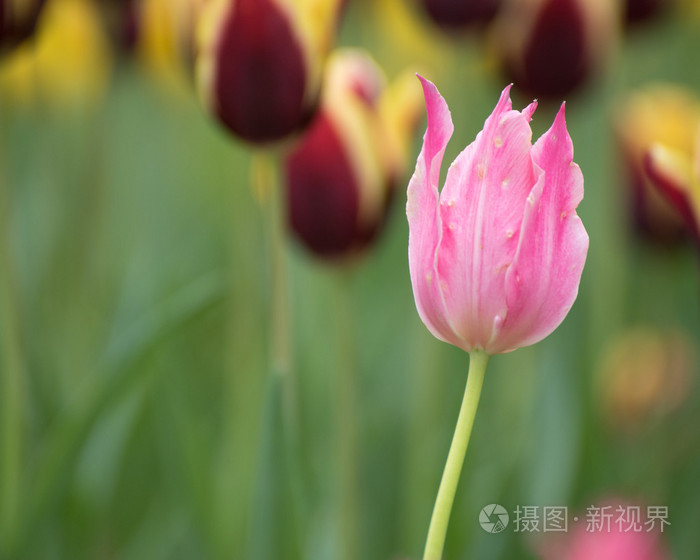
[549,48]
[341,174]
[260,63]
[457,14]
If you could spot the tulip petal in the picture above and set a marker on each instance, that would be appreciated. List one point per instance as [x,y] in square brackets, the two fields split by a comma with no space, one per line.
[424,218]
[542,283]
[481,208]
[322,191]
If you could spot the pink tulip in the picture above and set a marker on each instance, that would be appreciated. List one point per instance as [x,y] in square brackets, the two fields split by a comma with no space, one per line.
[496,257]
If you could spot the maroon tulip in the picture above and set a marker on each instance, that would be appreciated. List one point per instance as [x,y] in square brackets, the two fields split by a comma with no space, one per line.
[341,174]
[260,62]
[549,48]
[457,14]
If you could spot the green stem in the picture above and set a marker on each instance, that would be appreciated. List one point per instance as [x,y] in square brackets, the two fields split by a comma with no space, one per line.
[346,407]
[282,418]
[272,196]
[453,467]
[270,192]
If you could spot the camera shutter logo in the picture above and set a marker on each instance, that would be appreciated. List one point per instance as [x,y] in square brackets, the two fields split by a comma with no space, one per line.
[493,518]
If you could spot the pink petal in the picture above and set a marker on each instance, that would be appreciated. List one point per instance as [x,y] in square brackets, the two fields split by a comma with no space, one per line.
[481,208]
[423,216]
[542,283]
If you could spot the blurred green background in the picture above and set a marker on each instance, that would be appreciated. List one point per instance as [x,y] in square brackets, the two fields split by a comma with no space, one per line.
[135,319]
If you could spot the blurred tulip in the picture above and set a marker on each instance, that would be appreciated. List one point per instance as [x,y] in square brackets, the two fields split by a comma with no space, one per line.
[341,174]
[496,257]
[166,41]
[669,116]
[615,540]
[644,371]
[548,48]
[18,20]
[456,14]
[259,63]
[69,63]
[677,176]
[160,34]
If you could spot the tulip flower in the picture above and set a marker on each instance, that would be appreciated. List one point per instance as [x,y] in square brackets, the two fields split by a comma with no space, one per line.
[660,184]
[259,65]
[677,176]
[18,19]
[549,48]
[341,174]
[496,257]
[456,14]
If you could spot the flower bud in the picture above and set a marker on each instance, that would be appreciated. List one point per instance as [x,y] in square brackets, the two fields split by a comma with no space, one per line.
[341,174]
[496,256]
[548,48]
[17,20]
[668,116]
[259,65]
[457,14]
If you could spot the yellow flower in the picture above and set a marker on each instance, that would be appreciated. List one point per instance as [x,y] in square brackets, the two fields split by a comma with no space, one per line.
[69,63]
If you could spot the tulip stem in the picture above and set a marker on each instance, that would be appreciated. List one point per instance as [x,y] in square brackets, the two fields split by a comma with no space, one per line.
[346,407]
[284,422]
[435,542]
[269,192]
